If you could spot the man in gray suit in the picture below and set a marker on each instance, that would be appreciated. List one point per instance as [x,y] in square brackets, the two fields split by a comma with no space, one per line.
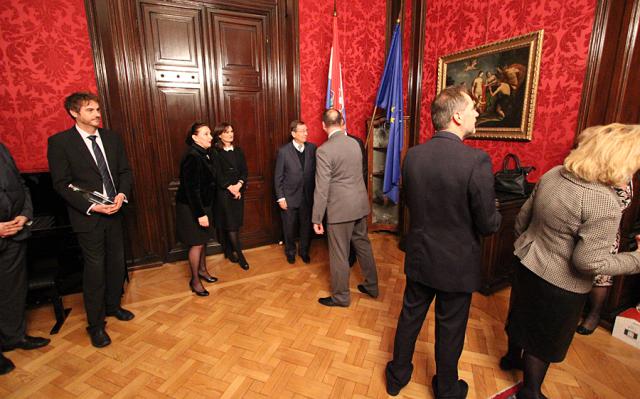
[340,191]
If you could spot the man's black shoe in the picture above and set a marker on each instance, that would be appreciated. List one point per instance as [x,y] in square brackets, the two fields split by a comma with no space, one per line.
[121,314]
[99,337]
[463,388]
[27,343]
[507,363]
[291,259]
[305,258]
[362,289]
[328,301]
[6,365]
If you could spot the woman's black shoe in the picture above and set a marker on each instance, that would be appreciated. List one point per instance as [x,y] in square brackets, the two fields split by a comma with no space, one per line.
[204,292]
[584,331]
[208,279]
[243,264]
[232,257]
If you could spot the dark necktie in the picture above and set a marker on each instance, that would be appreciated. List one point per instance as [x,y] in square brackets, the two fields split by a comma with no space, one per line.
[102,166]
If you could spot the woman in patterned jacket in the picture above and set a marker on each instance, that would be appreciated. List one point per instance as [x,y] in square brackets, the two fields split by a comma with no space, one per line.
[566,231]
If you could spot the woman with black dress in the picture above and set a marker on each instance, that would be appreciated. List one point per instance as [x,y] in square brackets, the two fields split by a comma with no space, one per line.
[194,201]
[231,177]
[567,234]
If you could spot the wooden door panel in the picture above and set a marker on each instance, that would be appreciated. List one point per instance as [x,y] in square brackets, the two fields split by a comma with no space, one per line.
[244,111]
[180,105]
[240,47]
[239,51]
[176,75]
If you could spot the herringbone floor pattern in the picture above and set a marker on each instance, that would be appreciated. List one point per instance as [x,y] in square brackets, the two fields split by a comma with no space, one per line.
[262,334]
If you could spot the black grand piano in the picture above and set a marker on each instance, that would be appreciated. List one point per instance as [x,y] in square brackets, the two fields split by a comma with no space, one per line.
[53,255]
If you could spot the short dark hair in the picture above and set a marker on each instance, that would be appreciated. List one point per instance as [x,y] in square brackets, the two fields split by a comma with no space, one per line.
[332,117]
[447,102]
[75,101]
[294,125]
[217,131]
[193,130]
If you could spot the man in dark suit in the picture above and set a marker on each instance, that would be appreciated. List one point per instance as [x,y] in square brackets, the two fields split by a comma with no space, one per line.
[340,191]
[451,200]
[294,183]
[15,213]
[94,159]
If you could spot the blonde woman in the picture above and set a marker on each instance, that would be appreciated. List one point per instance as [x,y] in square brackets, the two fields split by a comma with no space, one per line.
[566,230]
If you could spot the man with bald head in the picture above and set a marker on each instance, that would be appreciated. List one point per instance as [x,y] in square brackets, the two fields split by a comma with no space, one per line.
[340,191]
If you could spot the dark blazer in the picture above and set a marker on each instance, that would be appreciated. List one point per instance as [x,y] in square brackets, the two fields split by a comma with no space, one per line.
[70,162]
[451,200]
[340,190]
[365,159]
[15,199]
[292,182]
[197,180]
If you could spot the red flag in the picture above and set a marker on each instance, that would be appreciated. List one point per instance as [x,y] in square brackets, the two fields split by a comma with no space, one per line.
[335,92]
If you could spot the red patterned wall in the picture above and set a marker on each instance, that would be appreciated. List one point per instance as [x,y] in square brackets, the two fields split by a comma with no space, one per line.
[458,25]
[45,55]
[362,40]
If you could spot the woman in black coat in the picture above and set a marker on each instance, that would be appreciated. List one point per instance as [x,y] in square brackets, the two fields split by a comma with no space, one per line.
[194,201]
[231,177]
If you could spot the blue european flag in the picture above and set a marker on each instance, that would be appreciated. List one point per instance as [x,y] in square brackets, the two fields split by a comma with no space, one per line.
[390,98]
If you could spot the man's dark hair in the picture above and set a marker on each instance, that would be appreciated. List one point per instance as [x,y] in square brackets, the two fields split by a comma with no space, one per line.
[294,125]
[332,117]
[447,102]
[76,100]
[193,130]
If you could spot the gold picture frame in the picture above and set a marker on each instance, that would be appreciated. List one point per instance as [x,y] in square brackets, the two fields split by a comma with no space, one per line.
[502,78]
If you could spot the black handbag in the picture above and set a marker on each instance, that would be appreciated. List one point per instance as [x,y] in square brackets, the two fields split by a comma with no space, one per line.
[512,181]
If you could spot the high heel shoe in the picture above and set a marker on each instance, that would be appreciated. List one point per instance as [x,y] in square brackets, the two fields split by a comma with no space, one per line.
[232,257]
[208,279]
[204,292]
[584,330]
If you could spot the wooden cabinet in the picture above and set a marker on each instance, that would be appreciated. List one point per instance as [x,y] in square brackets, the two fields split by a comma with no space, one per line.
[385,215]
[498,260]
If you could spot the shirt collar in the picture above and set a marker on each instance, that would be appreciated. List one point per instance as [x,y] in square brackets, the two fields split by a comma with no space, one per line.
[85,135]
[230,148]
[298,147]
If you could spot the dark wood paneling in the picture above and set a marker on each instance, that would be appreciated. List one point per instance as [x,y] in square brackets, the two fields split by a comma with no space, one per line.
[241,45]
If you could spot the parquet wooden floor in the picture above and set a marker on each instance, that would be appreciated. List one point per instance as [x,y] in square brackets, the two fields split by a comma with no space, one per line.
[262,334]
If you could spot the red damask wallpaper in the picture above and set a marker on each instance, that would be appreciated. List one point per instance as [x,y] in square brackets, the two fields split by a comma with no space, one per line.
[45,55]
[454,25]
[362,41]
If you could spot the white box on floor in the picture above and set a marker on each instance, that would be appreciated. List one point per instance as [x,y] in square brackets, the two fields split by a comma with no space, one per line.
[627,327]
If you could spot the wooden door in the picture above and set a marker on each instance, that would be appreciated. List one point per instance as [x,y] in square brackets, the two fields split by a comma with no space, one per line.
[174,50]
[241,49]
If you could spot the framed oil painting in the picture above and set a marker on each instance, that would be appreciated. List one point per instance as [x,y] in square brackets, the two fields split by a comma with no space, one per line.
[502,78]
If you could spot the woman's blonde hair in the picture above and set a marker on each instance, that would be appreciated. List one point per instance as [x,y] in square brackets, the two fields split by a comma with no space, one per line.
[606,154]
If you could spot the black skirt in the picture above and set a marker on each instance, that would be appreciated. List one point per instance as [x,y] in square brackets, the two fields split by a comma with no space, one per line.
[188,229]
[543,317]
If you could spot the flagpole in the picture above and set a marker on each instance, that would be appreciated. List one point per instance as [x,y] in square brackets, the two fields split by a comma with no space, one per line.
[335,10]
[373,116]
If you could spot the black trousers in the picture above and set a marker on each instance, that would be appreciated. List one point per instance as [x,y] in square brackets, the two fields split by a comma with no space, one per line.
[104,269]
[13,291]
[296,222]
[452,313]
